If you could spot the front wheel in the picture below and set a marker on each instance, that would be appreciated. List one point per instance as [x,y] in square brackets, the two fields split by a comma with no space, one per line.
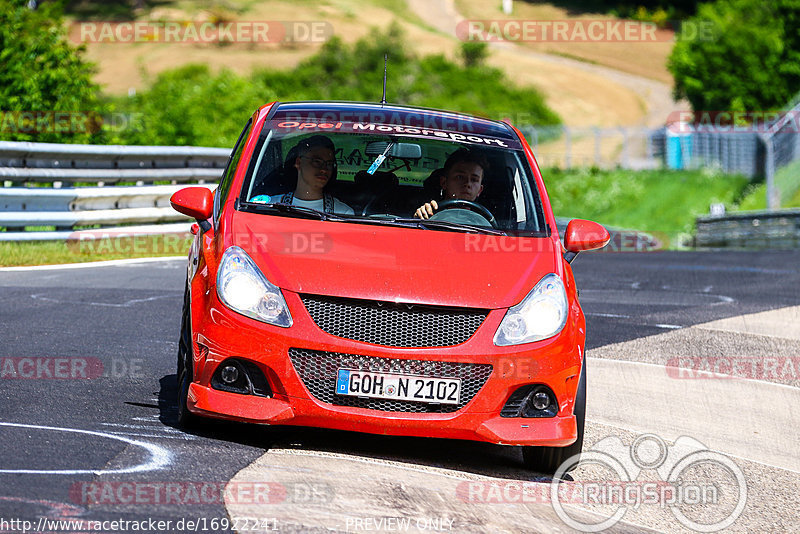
[186,419]
[548,459]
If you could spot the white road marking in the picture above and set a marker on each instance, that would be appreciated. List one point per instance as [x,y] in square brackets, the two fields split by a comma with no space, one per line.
[107,263]
[723,299]
[144,427]
[159,456]
[162,436]
[126,304]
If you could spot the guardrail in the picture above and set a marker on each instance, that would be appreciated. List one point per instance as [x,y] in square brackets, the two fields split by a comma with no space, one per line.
[750,230]
[35,164]
[16,156]
[86,206]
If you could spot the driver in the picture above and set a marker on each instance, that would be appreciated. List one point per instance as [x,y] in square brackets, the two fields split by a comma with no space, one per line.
[316,170]
[461,178]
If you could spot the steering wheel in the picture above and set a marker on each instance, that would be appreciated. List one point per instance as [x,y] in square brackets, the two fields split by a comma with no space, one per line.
[376,201]
[468,205]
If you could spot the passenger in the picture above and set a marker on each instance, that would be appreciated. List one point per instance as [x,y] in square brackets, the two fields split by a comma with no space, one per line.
[461,179]
[316,170]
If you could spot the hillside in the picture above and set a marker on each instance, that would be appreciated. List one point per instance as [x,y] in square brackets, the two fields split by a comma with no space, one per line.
[581,88]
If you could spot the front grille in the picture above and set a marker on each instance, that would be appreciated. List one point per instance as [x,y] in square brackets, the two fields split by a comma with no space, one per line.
[391,324]
[318,371]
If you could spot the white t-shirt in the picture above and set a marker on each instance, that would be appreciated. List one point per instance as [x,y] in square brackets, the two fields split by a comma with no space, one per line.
[338,206]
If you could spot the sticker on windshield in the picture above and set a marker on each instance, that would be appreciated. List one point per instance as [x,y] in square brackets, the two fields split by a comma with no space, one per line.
[369,127]
[261,199]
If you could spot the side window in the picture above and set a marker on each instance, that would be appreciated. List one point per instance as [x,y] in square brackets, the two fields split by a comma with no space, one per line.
[227,176]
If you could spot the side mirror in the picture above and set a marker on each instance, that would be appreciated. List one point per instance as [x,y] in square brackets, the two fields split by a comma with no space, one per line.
[196,202]
[584,235]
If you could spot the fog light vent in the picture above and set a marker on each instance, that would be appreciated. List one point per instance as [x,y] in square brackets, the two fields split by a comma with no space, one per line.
[240,376]
[534,400]
[229,374]
[540,400]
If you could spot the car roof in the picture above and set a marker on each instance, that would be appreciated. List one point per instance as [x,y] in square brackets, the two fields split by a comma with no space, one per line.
[370,112]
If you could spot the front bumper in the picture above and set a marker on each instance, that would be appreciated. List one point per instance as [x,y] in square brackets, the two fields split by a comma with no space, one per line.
[556,431]
[554,362]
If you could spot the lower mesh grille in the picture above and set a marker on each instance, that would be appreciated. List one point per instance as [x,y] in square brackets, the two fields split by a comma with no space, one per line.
[318,371]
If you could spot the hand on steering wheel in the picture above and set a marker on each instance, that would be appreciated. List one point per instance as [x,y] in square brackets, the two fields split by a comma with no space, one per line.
[426,211]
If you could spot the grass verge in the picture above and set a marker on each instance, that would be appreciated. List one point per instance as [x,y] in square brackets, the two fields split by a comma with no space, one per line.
[14,253]
[787,181]
[662,202]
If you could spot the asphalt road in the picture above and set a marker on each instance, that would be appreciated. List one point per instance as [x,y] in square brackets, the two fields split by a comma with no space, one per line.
[118,325]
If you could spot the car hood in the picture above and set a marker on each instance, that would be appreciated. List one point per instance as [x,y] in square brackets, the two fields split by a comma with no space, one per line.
[394,264]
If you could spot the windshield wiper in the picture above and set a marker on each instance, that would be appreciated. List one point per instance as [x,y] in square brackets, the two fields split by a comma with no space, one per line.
[291,209]
[446,225]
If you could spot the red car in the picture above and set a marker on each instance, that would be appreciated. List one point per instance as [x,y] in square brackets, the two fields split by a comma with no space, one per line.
[385,269]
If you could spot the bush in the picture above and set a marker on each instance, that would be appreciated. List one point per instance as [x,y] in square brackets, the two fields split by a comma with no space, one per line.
[474,53]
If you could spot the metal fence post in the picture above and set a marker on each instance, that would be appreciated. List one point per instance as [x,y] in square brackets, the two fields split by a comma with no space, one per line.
[769,174]
[567,147]
[626,157]
[597,154]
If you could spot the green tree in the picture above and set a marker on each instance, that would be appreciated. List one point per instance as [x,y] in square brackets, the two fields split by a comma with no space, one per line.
[744,56]
[41,74]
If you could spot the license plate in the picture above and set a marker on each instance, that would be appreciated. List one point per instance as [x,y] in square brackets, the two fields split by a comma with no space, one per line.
[398,387]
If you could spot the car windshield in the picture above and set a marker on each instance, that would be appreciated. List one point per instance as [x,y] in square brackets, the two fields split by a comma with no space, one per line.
[363,172]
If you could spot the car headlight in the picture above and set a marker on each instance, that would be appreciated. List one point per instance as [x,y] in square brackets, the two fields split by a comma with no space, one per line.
[540,315]
[244,289]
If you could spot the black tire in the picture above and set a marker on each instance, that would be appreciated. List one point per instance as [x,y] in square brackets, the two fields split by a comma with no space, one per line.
[546,460]
[185,338]
[186,419]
